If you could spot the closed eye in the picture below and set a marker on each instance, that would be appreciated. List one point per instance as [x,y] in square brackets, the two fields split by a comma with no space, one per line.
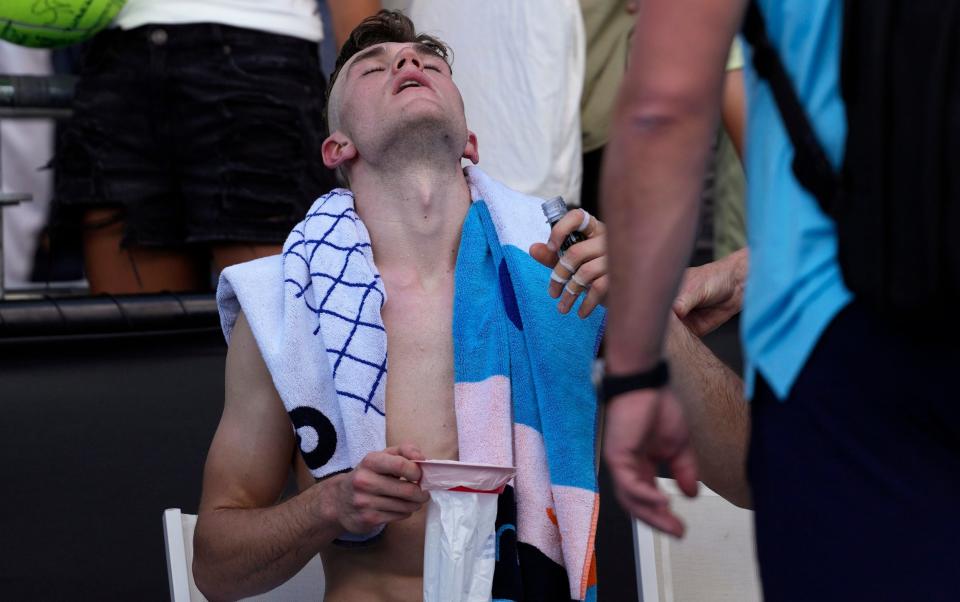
[434,67]
[371,70]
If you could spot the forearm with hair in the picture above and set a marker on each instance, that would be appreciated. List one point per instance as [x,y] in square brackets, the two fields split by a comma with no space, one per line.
[240,552]
[716,411]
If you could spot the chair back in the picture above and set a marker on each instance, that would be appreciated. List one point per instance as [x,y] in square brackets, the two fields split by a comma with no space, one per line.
[178,528]
[714,562]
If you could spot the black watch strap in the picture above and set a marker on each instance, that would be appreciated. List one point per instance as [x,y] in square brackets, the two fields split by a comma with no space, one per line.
[654,378]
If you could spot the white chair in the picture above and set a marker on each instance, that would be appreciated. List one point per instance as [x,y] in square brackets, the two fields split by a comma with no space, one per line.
[714,562]
[178,536]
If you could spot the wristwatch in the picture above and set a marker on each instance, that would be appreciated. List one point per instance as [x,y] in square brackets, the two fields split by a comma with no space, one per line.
[654,378]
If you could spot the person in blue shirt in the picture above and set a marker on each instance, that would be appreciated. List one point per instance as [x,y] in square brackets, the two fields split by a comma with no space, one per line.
[854,458]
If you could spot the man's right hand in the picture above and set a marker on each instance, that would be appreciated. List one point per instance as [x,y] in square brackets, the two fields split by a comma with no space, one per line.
[643,429]
[381,489]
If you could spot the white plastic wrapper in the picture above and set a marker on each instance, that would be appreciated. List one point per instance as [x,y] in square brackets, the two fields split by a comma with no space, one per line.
[460,540]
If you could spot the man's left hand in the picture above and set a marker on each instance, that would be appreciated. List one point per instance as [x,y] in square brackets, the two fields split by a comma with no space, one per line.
[712,293]
[583,267]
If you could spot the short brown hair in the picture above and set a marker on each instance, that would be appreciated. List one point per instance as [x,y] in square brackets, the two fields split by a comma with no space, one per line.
[385,26]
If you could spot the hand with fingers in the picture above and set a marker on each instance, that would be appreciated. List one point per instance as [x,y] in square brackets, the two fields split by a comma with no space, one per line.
[582,269]
[643,429]
[712,293]
[381,489]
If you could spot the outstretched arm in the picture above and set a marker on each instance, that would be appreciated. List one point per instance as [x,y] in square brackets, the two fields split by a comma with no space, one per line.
[716,411]
[245,542]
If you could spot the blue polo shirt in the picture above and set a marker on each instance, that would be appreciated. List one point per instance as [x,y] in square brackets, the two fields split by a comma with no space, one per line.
[795,287]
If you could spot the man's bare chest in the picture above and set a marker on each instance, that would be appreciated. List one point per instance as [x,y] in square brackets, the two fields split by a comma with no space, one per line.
[420,374]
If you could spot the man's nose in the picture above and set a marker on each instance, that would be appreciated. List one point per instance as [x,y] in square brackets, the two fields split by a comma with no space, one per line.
[407,57]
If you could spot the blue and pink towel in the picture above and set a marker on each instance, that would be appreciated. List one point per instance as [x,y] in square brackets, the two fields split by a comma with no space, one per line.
[523,392]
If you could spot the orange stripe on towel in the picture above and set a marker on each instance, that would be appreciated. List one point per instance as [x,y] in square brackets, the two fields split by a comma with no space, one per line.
[589,577]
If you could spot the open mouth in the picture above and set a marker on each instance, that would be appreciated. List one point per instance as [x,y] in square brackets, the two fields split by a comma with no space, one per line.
[411,80]
[408,85]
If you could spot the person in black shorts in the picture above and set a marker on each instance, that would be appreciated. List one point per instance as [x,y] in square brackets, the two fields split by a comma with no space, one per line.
[191,146]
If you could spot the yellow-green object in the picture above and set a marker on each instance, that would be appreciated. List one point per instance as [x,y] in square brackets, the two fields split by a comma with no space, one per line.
[54,23]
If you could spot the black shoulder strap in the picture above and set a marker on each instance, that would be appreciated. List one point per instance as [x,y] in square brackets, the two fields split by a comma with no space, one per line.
[810,164]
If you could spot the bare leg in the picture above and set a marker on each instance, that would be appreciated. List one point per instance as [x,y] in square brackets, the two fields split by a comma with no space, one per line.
[115,270]
[228,254]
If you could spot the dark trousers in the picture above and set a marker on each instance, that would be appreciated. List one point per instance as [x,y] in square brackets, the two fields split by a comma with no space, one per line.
[856,475]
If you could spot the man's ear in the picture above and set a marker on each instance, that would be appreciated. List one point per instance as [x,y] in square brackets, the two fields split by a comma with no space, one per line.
[337,149]
[472,150]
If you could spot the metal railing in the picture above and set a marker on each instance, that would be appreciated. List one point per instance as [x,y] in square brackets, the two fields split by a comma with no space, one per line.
[31,97]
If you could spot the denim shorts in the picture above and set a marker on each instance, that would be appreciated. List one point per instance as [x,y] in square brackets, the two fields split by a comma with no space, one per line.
[199,133]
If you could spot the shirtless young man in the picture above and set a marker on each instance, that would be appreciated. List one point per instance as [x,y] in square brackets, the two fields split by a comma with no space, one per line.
[400,149]
[398,135]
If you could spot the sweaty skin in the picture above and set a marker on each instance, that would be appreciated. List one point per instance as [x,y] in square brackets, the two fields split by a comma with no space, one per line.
[255,444]
[419,409]
[400,145]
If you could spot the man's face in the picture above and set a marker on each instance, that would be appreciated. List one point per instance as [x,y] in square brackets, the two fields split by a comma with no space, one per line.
[398,89]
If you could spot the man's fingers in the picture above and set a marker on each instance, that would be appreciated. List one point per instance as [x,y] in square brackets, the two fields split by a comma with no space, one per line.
[382,503]
[582,264]
[693,293]
[635,477]
[543,254]
[571,290]
[411,451]
[660,517]
[576,220]
[643,492]
[638,494]
[369,483]
[373,518]
[391,463]
[595,297]
[684,469]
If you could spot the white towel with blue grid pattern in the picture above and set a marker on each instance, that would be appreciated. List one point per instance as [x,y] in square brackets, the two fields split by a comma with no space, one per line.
[320,333]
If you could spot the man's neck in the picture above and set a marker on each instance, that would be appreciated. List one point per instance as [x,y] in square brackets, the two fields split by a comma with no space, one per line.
[414,215]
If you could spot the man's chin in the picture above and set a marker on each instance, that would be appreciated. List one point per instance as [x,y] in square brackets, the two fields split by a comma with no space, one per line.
[427,130]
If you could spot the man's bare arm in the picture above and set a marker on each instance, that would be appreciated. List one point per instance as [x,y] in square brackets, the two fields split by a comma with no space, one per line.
[663,125]
[716,412]
[245,543]
[347,14]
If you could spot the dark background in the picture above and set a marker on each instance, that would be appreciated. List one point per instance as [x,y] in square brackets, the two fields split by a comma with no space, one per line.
[98,435]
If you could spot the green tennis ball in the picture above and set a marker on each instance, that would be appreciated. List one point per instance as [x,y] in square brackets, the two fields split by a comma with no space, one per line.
[54,23]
